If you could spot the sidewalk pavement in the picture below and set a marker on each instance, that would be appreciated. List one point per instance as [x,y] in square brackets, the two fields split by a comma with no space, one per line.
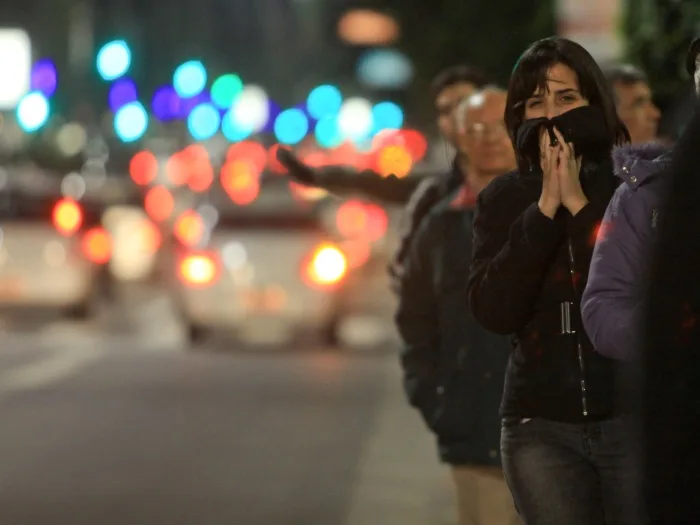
[400,480]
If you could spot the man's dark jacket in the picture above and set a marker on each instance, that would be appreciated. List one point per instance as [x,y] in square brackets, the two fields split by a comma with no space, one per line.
[671,360]
[453,368]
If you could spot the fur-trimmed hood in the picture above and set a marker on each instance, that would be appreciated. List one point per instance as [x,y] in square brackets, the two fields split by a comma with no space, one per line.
[636,163]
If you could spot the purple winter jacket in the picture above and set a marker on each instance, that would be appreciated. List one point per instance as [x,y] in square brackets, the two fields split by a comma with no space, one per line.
[612,304]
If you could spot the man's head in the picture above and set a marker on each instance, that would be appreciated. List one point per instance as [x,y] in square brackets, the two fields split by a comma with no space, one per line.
[482,133]
[448,88]
[633,99]
[692,63]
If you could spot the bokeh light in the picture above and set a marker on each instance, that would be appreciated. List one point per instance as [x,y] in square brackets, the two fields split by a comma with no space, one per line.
[251,109]
[33,111]
[252,152]
[122,92]
[225,90]
[327,132]
[394,160]
[113,60]
[143,168]
[166,104]
[239,180]
[355,120]
[232,130]
[387,115]
[385,69]
[159,203]
[291,126]
[367,27]
[190,79]
[71,139]
[324,101]
[131,122]
[203,122]
[44,77]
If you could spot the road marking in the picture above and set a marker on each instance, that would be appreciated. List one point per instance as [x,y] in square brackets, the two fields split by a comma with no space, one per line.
[58,366]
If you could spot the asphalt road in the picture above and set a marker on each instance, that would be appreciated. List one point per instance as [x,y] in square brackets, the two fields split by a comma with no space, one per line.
[147,438]
[113,421]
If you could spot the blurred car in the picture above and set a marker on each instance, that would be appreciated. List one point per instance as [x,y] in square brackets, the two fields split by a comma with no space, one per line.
[53,252]
[262,267]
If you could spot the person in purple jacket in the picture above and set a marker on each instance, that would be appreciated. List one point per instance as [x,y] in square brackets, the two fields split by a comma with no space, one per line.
[612,305]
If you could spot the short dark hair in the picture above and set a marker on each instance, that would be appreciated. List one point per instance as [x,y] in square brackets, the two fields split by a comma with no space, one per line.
[691,57]
[457,75]
[530,74]
[625,74]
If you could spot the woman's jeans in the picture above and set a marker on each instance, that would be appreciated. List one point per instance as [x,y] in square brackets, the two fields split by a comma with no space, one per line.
[573,474]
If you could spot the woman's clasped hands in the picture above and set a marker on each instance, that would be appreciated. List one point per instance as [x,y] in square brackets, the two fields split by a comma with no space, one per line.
[561,171]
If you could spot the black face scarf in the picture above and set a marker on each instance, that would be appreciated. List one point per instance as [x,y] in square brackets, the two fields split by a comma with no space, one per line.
[584,127]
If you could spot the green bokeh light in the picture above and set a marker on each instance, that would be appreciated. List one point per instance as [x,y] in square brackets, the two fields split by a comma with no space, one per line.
[225,90]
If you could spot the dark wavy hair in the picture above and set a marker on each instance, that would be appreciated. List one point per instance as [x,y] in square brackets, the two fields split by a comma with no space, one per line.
[530,74]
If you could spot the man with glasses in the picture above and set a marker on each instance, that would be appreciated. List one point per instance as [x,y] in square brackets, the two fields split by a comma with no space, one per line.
[453,368]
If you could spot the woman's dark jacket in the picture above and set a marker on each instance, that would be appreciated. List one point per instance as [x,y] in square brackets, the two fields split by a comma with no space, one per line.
[453,368]
[527,276]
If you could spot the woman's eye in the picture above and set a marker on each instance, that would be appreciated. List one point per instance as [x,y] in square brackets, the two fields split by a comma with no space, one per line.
[569,98]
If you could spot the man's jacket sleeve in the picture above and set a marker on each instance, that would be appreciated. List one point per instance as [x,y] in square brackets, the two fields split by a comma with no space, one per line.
[611,303]
[417,322]
[385,190]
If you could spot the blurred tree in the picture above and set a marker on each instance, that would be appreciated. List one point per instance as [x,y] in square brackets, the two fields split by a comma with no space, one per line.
[490,34]
[657,34]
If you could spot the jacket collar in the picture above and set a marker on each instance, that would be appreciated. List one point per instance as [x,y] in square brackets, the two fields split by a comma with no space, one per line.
[635,164]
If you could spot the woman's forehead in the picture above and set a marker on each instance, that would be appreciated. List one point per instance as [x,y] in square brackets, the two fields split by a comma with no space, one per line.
[557,77]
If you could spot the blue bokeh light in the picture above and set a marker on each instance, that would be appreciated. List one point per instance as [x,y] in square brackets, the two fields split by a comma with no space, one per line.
[291,126]
[203,121]
[131,122]
[113,60]
[33,111]
[387,115]
[385,69]
[122,92]
[327,133]
[324,100]
[190,79]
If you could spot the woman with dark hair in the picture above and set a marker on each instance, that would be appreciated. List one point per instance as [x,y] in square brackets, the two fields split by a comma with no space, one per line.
[568,454]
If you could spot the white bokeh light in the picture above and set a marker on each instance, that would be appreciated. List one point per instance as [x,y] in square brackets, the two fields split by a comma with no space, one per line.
[355,119]
[251,110]
[71,139]
[73,186]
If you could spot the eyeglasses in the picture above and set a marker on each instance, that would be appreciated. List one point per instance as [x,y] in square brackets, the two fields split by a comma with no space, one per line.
[479,130]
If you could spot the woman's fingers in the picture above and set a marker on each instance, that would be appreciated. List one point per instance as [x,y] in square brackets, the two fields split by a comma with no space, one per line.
[544,151]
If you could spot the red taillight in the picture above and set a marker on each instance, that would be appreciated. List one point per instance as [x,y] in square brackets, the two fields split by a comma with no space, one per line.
[67,217]
[326,267]
[198,270]
[97,246]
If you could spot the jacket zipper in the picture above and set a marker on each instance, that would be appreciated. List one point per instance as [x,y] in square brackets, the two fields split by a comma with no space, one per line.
[579,348]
